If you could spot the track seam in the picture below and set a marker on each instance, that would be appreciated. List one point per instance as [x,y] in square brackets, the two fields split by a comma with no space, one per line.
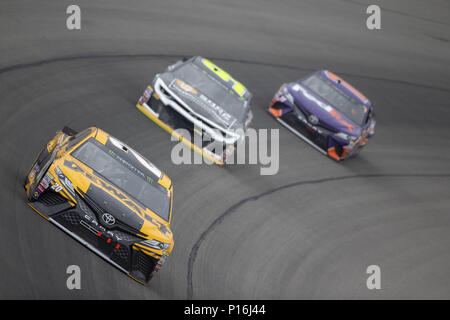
[234,207]
[20,66]
[398,12]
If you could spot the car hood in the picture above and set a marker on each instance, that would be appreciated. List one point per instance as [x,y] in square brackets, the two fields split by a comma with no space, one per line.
[107,198]
[201,104]
[323,110]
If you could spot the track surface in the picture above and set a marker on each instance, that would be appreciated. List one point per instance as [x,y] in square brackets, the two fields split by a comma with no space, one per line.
[308,232]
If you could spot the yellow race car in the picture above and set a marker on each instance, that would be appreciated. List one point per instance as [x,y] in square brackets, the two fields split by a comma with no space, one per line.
[107,196]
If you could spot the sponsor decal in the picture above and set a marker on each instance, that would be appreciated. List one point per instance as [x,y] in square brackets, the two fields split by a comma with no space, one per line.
[145,96]
[46,180]
[88,226]
[184,86]
[313,119]
[43,185]
[226,118]
[138,172]
[108,219]
[34,171]
[100,227]
[56,187]
[160,263]
[66,183]
[51,145]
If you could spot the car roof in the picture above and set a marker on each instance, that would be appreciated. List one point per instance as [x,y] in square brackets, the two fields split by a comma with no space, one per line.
[216,72]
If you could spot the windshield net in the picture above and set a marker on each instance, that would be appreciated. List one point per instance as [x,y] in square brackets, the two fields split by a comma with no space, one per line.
[209,92]
[124,175]
[336,98]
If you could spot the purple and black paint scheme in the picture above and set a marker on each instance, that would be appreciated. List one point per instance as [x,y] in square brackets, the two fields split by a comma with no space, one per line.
[326,112]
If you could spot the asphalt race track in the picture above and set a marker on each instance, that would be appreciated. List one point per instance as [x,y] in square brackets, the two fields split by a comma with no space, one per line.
[308,232]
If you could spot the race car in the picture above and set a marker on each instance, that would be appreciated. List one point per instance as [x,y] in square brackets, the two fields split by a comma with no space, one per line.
[326,112]
[201,98]
[107,196]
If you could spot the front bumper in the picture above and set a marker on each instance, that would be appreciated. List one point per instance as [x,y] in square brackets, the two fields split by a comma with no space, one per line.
[152,105]
[116,246]
[318,137]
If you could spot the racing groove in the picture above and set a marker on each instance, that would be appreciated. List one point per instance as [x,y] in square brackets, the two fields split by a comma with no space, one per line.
[308,232]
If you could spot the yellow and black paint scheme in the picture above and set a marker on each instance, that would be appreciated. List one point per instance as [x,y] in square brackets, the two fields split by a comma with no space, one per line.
[73,196]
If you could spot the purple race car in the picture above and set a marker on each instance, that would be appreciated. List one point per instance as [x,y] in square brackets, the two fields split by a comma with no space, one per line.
[326,112]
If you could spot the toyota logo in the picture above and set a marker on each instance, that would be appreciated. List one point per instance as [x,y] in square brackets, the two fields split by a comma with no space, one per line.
[108,218]
[313,119]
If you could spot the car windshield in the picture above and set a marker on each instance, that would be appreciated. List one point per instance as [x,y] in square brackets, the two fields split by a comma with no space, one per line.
[335,97]
[124,175]
[218,93]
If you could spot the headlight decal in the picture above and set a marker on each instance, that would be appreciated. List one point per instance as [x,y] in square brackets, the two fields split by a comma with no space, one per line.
[345,136]
[155,244]
[67,184]
[43,185]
